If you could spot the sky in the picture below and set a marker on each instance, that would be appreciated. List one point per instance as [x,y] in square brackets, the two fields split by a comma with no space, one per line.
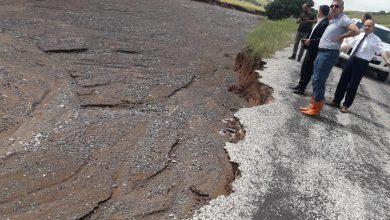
[360,5]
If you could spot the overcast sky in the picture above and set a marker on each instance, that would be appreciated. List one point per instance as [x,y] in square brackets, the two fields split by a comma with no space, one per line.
[360,5]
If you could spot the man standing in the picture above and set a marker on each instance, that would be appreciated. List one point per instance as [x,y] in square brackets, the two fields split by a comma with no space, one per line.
[305,20]
[312,49]
[364,47]
[340,27]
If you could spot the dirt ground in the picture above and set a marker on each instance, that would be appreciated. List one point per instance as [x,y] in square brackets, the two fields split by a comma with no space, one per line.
[116,109]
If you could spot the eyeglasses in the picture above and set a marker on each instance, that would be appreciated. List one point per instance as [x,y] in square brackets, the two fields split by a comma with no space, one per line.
[335,6]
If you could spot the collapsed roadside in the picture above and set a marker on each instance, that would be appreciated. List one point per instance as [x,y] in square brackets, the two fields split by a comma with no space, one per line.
[334,166]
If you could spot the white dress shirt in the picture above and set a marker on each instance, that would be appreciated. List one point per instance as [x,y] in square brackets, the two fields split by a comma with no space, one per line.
[371,45]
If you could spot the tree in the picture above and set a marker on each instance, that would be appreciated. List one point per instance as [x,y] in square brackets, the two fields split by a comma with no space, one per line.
[279,9]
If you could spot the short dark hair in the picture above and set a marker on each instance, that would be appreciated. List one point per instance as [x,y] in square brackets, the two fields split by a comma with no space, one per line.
[325,10]
[367,16]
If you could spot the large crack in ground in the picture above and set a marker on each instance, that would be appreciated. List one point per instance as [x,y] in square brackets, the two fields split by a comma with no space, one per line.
[249,87]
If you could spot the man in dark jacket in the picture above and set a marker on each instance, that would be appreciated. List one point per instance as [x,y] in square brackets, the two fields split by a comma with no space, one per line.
[312,49]
[306,20]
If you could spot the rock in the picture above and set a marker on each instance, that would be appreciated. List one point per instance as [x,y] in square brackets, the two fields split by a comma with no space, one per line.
[9,153]
[198,192]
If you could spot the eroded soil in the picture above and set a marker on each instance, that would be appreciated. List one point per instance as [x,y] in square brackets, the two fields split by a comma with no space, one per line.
[114,109]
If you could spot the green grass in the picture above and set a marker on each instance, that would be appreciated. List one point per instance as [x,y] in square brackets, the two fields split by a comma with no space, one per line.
[248,5]
[271,36]
[380,19]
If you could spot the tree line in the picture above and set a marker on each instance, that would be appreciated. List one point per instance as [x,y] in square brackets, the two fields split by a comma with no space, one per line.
[279,9]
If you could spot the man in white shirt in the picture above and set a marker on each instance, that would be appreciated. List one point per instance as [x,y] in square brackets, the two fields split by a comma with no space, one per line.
[364,47]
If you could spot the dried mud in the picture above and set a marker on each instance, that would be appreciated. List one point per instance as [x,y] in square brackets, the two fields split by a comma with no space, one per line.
[113,109]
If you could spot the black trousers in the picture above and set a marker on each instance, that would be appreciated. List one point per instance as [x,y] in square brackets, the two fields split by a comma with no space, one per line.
[307,69]
[299,36]
[349,81]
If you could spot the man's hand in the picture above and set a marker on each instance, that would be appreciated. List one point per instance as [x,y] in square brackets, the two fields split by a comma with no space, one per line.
[339,39]
[306,42]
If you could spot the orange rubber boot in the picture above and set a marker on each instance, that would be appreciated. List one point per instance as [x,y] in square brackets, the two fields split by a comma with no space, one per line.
[315,110]
[310,106]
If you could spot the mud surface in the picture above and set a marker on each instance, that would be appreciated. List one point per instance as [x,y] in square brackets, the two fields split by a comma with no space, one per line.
[114,109]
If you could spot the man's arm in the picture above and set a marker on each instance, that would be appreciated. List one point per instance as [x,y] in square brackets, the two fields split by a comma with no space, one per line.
[312,21]
[345,46]
[386,58]
[352,29]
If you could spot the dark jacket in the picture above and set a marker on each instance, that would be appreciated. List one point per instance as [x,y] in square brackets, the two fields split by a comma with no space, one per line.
[317,34]
[304,26]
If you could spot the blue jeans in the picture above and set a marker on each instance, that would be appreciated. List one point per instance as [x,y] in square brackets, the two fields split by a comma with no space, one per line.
[322,67]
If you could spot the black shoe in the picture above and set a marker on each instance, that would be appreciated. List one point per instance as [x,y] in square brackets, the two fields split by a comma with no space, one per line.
[299,92]
[292,57]
[294,87]
[333,104]
[344,109]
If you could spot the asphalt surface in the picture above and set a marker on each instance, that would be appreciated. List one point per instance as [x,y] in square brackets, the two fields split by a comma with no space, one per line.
[336,166]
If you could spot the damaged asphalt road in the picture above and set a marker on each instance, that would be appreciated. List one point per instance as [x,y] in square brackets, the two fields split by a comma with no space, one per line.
[336,166]
[114,109]
[117,110]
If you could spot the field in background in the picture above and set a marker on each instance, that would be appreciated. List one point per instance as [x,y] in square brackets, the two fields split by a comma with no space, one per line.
[271,36]
[258,6]
[380,19]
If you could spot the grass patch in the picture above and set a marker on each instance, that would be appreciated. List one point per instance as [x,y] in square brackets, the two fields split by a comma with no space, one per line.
[246,5]
[258,2]
[380,19]
[271,36]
